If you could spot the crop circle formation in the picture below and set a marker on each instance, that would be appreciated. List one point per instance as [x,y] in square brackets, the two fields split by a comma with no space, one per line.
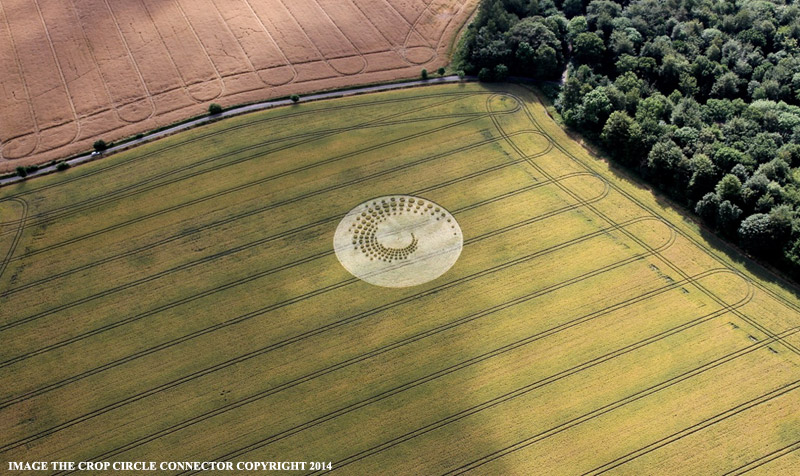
[398,241]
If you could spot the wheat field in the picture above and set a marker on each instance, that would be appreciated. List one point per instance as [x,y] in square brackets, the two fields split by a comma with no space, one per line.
[182,302]
[76,71]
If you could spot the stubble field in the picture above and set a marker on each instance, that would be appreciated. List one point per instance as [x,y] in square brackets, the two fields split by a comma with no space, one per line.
[75,71]
[183,302]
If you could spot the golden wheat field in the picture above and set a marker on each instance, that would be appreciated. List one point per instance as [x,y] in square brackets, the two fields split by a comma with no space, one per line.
[75,71]
[183,301]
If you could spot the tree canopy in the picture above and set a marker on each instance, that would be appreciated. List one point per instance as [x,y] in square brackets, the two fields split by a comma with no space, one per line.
[702,97]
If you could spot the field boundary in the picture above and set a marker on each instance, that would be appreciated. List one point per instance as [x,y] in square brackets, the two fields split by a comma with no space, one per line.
[231,112]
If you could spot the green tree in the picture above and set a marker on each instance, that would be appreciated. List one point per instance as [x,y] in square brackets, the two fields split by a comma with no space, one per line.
[616,134]
[763,148]
[653,108]
[727,157]
[766,234]
[500,72]
[688,84]
[708,208]
[728,217]
[572,8]
[759,235]
[537,48]
[526,56]
[576,26]
[621,44]
[600,15]
[588,48]
[687,113]
[596,108]
[547,62]
[727,86]
[673,67]
[730,188]
[776,170]
[663,161]
[704,174]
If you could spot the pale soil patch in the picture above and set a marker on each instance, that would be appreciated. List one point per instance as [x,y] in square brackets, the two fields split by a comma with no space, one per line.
[398,241]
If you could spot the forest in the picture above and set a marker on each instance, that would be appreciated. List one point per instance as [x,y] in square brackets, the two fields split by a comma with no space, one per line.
[701,98]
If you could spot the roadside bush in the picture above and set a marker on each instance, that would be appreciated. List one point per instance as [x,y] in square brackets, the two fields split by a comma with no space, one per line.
[441,71]
[424,73]
[294,98]
[22,172]
[62,166]
[100,145]
[214,108]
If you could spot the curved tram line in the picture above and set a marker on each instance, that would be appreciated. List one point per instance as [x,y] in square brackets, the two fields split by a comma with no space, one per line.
[753,322]
[210,258]
[518,392]
[17,233]
[307,334]
[693,280]
[152,182]
[772,336]
[247,213]
[223,131]
[262,274]
[460,321]
[683,234]
[778,338]
[270,238]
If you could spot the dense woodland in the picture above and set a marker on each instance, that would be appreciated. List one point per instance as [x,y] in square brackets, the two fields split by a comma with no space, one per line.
[699,96]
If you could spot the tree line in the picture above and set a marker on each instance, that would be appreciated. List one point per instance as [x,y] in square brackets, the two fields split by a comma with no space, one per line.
[700,97]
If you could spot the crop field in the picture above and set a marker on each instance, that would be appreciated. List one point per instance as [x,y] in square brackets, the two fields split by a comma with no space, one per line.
[77,70]
[183,301]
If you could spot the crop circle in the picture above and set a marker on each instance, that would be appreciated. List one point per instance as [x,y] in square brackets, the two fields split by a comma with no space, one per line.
[398,241]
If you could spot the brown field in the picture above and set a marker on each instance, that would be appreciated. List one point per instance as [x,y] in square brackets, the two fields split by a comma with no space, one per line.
[77,70]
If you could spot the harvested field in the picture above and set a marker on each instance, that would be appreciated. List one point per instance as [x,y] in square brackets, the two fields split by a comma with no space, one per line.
[183,301]
[74,71]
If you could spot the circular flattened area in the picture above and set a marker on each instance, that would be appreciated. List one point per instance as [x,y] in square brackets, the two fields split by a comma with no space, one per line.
[398,241]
